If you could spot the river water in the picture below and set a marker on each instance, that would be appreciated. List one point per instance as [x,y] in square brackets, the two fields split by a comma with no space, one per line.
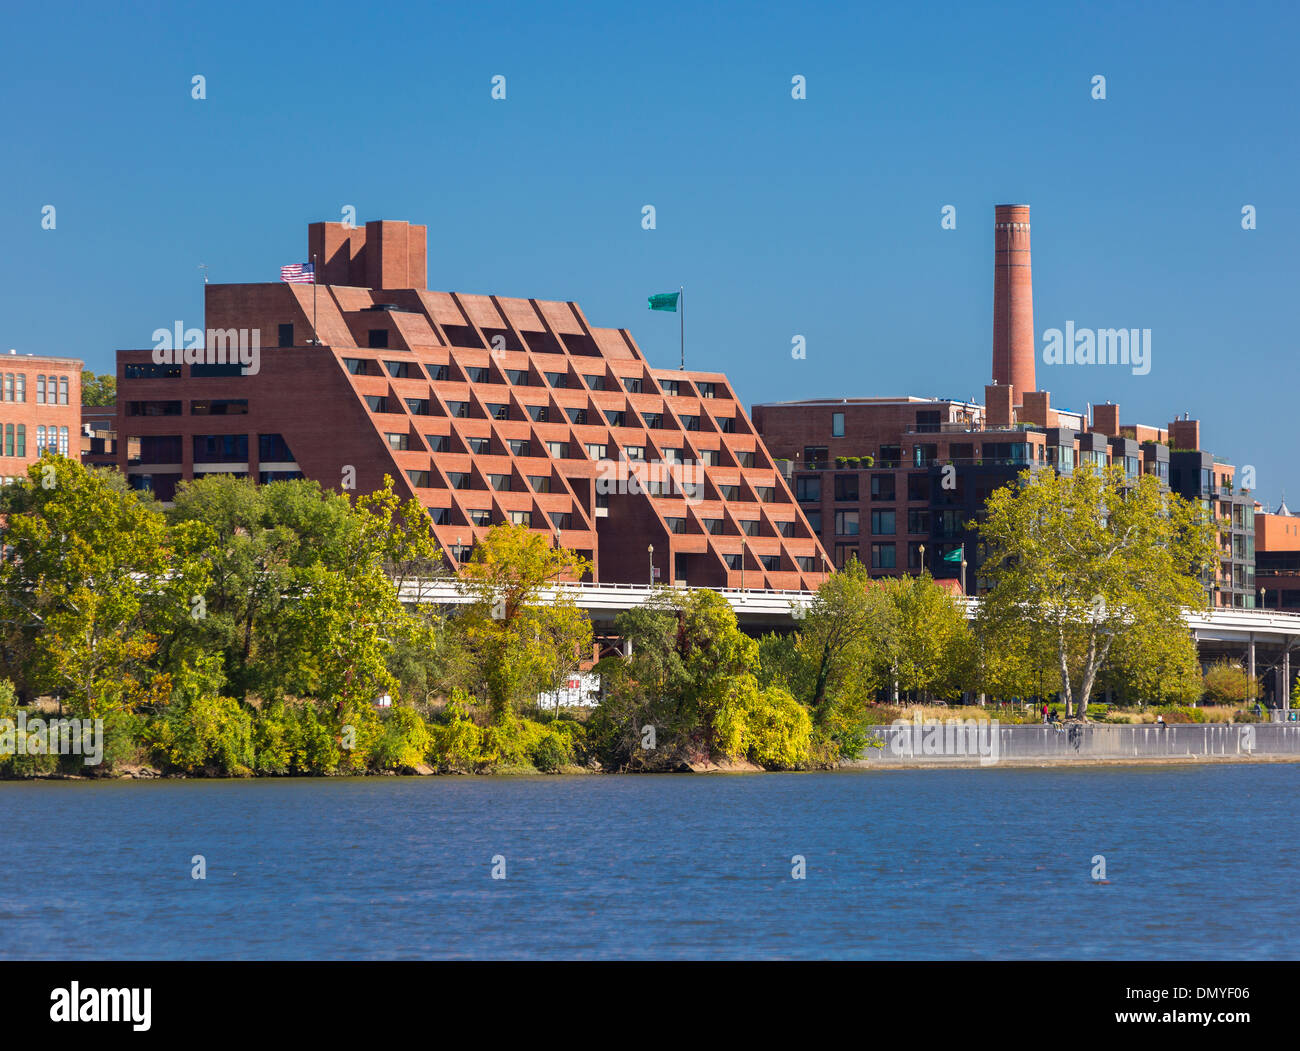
[953,864]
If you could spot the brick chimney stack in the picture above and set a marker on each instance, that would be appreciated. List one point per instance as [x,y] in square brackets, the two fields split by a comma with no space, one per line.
[998,413]
[382,254]
[1105,420]
[1013,301]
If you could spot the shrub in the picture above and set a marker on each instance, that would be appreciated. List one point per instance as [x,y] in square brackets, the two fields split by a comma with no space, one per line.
[456,744]
[769,727]
[205,734]
[403,741]
[553,751]
[1180,714]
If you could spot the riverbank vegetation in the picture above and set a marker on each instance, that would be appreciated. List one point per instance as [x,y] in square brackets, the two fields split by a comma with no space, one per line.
[280,630]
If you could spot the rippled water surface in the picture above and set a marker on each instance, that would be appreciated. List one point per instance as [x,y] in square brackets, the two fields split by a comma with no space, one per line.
[910,864]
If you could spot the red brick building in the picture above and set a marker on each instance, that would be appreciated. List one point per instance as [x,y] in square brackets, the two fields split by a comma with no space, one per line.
[895,481]
[40,408]
[1277,558]
[486,408]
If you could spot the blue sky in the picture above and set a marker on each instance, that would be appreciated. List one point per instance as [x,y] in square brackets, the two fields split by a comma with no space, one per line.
[818,217]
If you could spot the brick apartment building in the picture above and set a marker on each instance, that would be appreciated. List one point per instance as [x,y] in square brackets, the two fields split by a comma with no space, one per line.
[893,481]
[40,408]
[487,409]
[1277,558]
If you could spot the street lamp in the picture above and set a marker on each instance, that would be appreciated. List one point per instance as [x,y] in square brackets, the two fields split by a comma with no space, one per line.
[651,550]
[963,571]
[922,549]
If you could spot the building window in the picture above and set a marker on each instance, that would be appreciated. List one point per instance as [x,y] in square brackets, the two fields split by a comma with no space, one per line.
[595,382]
[437,442]
[918,522]
[837,425]
[846,487]
[419,479]
[9,386]
[481,516]
[883,523]
[63,441]
[499,482]
[846,523]
[918,487]
[749,526]
[882,487]
[537,412]
[520,447]
[845,553]
[272,448]
[220,407]
[712,525]
[692,423]
[22,439]
[726,424]
[377,338]
[220,448]
[541,483]
[397,441]
[672,388]
[771,563]
[63,390]
[596,451]
[814,521]
[40,390]
[557,450]
[155,448]
[675,525]
[21,389]
[144,371]
[765,493]
[927,421]
[708,390]
[523,518]
[153,408]
[9,439]
[634,452]
[40,440]
[815,456]
[286,335]
[883,556]
[478,446]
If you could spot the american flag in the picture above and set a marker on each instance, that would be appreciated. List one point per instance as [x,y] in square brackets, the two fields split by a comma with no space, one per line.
[299,273]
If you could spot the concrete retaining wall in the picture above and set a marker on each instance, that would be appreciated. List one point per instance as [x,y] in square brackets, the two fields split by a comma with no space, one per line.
[954,740]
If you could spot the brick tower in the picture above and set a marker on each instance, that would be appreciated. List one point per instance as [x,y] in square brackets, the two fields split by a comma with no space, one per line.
[1013,301]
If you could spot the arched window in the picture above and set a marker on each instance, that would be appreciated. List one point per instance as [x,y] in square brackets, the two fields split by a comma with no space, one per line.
[63,392]
[40,434]
[20,391]
[63,440]
[40,390]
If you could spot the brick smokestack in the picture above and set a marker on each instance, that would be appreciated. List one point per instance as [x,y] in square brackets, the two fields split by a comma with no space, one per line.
[1013,301]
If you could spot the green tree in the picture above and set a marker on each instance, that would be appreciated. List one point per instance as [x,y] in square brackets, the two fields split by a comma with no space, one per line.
[522,641]
[98,390]
[1077,561]
[1226,682]
[934,650]
[92,580]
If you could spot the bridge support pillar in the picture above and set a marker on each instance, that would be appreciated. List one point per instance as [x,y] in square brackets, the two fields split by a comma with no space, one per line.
[1250,657]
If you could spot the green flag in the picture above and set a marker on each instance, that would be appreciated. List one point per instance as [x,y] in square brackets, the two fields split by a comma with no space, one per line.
[955,556]
[664,301]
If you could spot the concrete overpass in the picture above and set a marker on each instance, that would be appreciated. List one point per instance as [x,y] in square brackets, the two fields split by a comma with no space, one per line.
[1262,640]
